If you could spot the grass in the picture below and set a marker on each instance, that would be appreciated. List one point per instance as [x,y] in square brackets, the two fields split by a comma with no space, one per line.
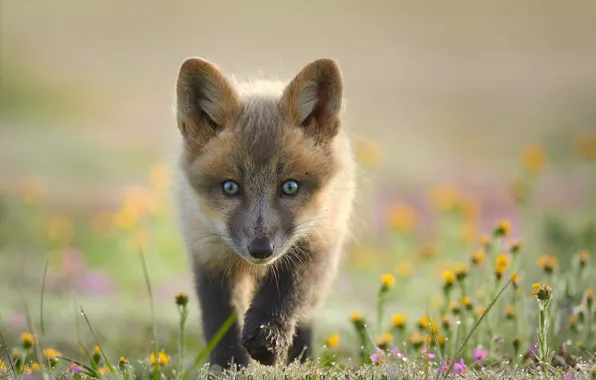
[497,305]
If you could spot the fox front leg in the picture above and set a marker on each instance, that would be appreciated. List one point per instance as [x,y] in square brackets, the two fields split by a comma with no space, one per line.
[285,294]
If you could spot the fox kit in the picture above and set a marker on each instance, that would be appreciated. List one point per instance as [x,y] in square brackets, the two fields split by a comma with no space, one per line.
[265,193]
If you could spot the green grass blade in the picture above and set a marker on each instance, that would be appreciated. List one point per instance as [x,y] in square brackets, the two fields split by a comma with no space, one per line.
[8,358]
[150,291]
[103,354]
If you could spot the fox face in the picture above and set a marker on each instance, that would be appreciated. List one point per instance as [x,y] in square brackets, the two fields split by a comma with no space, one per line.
[259,165]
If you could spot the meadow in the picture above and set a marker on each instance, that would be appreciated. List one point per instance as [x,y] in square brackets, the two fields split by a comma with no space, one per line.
[500,307]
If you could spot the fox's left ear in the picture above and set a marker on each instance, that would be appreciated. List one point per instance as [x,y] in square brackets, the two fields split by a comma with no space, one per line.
[313,99]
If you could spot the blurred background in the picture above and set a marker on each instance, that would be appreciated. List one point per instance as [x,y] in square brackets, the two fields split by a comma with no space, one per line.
[488,109]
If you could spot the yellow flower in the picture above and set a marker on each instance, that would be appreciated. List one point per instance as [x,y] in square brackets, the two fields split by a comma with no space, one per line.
[442,339]
[503,260]
[399,321]
[32,191]
[50,353]
[137,201]
[515,280]
[28,340]
[96,350]
[104,370]
[461,271]
[548,263]
[356,317]
[368,152]
[583,257]
[534,158]
[590,295]
[384,340]
[448,279]
[416,338]
[122,360]
[404,268]
[160,177]
[478,257]
[402,218]
[387,281]
[585,146]
[510,311]
[445,197]
[467,303]
[33,367]
[454,307]
[447,321]
[181,299]
[162,358]
[503,228]
[542,291]
[485,241]
[2,366]
[516,246]
[333,340]
[425,323]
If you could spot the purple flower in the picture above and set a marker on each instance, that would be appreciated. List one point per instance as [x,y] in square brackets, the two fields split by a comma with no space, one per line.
[459,367]
[396,353]
[425,354]
[478,354]
[533,350]
[73,368]
[378,356]
[569,376]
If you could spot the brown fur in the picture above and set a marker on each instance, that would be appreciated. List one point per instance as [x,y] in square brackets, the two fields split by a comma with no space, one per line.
[260,135]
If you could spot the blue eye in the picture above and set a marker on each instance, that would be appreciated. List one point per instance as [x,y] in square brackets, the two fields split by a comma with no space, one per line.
[289,187]
[230,187]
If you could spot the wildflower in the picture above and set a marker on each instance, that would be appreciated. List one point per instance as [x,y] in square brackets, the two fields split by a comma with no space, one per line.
[585,146]
[74,368]
[426,323]
[181,299]
[503,228]
[516,344]
[590,295]
[461,272]
[103,370]
[28,340]
[402,218]
[448,280]
[573,322]
[516,246]
[515,280]
[122,361]
[454,307]
[485,241]
[387,282]
[548,263]
[384,340]
[478,354]
[583,257]
[442,339]
[447,320]
[459,367]
[2,367]
[96,356]
[503,260]
[368,152]
[162,358]
[479,311]
[399,321]
[478,257]
[356,317]
[543,292]
[51,354]
[499,270]
[534,158]
[28,369]
[510,312]
[426,354]
[416,339]
[569,376]
[467,303]
[378,357]
[333,340]
[395,352]
[404,268]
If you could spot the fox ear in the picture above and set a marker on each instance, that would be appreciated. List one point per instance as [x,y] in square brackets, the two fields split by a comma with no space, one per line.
[313,99]
[206,101]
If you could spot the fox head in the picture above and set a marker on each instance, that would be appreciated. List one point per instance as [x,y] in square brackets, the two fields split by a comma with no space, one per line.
[260,164]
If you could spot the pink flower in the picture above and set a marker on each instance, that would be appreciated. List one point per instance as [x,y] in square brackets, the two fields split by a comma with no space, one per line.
[425,354]
[478,354]
[569,376]
[73,368]
[378,356]
[396,353]
[459,367]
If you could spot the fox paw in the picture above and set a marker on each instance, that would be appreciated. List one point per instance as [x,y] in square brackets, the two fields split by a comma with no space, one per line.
[266,342]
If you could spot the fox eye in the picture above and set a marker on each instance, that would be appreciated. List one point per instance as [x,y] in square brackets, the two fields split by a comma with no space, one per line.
[289,187]
[230,187]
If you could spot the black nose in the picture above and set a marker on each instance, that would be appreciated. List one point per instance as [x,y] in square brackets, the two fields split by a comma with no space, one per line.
[261,248]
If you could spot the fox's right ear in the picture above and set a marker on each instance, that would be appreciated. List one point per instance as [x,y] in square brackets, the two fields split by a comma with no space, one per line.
[206,101]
